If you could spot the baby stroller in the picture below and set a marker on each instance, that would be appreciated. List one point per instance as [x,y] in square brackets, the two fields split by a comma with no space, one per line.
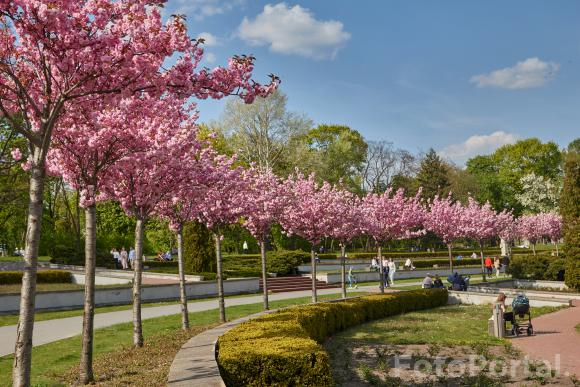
[521,316]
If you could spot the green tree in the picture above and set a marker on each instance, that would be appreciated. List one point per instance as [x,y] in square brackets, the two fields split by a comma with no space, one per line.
[499,174]
[433,175]
[198,248]
[333,152]
[570,211]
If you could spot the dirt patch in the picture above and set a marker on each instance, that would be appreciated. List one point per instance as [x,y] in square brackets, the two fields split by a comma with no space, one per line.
[364,364]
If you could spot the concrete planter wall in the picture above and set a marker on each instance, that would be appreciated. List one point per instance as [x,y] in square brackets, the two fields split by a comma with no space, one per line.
[475,298]
[10,303]
[399,274]
[100,280]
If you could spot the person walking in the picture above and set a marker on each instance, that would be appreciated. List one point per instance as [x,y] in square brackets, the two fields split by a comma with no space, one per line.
[497,265]
[385,273]
[132,258]
[392,269]
[488,263]
[116,258]
[124,259]
[245,247]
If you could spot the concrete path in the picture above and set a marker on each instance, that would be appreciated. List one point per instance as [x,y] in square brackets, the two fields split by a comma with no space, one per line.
[555,335]
[58,329]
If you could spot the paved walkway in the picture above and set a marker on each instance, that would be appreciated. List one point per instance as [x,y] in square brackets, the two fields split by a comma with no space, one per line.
[555,335]
[58,329]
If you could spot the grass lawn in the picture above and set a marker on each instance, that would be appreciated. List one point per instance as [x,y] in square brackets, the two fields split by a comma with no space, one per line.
[52,363]
[578,328]
[366,354]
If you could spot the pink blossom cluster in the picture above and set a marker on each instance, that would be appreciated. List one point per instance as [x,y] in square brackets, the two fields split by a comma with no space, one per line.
[391,215]
[534,227]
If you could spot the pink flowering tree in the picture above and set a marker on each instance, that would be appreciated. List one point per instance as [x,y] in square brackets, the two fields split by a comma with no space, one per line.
[347,208]
[184,206]
[264,200]
[222,204]
[507,228]
[552,227]
[143,180]
[58,56]
[309,214]
[390,216]
[544,224]
[479,222]
[444,220]
[529,227]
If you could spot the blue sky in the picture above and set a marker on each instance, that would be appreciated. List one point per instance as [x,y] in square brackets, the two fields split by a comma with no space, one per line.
[462,77]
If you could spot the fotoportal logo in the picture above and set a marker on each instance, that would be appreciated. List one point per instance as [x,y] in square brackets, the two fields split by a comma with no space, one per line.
[474,365]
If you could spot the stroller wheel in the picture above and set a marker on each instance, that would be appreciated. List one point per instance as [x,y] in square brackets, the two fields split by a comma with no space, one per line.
[530,331]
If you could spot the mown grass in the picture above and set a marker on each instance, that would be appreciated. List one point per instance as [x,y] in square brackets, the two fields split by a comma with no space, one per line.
[447,325]
[53,364]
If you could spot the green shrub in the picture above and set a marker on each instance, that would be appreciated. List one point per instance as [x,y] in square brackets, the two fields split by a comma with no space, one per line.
[536,267]
[570,211]
[198,248]
[284,348]
[556,268]
[285,261]
[160,264]
[45,276]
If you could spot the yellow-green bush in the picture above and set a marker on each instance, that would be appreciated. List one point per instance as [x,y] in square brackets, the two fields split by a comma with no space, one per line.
[283,348]
[45,276]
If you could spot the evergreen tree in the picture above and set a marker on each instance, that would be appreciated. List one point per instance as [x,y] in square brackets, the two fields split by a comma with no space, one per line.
[198,248]
[570,211]
[433,175]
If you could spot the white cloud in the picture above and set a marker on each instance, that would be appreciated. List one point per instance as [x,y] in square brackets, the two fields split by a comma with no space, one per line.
[294,30]
[209,57]
[477,145]
[209,39]
[532,72]
[200,9]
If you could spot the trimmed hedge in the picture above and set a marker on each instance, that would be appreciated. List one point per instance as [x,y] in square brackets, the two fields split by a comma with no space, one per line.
[537,267]
[44,277]
[284,348]
[425,254]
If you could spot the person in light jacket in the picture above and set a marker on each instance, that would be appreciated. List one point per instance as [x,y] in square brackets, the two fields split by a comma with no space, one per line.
[392,269]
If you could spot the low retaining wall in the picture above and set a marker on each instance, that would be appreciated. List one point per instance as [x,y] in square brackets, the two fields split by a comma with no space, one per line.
[367,276]
[10,303]
[476,298]
[100,280]
[12,266]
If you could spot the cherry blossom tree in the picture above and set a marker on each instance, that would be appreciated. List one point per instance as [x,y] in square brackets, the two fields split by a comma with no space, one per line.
[58,55]
[141,181]
[347,207]
[86,147]
[309,213]
[444,220]
[529,227]
[264,201]
[391,216]
[507,228]
[479,222]
[222,205]
[552,226]
[544,224]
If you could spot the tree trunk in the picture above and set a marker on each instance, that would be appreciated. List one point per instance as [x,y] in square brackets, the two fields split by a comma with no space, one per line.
[264,274]
[220,280]
[86,364]
[381,271]
[313,273]
[343,269]
[534,248]
[557,251]
[138,265]
[182,290]
[23,346]
[450,258]
[482,265]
